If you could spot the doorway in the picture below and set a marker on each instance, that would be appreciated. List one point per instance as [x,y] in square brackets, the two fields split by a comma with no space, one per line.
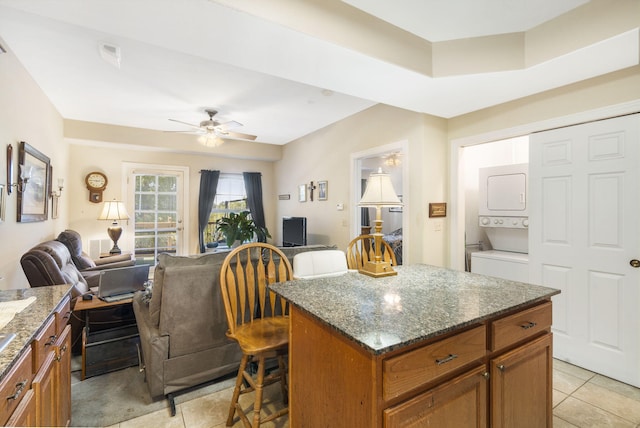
[157,194]
[393,160]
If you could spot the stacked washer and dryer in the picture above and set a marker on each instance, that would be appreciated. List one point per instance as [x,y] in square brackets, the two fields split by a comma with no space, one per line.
[503,213]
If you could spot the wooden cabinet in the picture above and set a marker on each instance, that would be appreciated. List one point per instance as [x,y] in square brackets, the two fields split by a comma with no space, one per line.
[38,387]
[25,413]
[63,378]
[493,374]
[521,393]
[460,403]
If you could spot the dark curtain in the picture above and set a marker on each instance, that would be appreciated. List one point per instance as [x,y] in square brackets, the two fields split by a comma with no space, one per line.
[253,186]
[208,186]
[364,211]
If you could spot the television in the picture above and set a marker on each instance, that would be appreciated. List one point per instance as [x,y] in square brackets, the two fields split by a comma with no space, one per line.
[294,231]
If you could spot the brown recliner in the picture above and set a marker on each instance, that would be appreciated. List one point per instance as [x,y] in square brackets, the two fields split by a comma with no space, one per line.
[49,263]
[72,240]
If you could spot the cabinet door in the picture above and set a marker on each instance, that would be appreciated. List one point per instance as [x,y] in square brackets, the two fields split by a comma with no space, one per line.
[460,403]
[44,388]
[521,386]
[25,413]
[63,378]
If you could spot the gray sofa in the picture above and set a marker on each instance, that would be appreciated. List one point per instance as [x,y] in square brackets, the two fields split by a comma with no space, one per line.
[183,326]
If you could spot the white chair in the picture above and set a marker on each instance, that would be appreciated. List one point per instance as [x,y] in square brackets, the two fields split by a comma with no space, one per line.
[319,264]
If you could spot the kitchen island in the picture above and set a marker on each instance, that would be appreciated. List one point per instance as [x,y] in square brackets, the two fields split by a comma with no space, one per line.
[428,347]
[35,366]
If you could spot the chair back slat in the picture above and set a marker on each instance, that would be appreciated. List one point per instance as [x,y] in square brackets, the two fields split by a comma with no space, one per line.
[361,249]
[245,274]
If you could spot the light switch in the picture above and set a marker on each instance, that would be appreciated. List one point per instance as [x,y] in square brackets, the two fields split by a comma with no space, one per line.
[340,206]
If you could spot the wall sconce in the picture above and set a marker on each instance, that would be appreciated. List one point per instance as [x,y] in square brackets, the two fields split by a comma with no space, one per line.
[59,192]
[23,179]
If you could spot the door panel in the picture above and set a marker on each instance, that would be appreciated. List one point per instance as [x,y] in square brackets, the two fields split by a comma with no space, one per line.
[583,233]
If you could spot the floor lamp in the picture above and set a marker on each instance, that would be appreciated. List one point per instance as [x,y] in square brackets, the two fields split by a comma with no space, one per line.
[115,211]
[379,193]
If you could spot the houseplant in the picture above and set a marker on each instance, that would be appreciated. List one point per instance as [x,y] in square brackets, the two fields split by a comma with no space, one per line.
[240,227]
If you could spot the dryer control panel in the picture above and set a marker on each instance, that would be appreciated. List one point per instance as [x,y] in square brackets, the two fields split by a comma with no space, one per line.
[504,222]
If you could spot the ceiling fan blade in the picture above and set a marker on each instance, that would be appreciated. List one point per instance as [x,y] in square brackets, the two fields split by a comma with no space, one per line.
[228,125]
[238,135]
[185,123]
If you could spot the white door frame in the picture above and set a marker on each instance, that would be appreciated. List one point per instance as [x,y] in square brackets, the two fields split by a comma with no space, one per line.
[456,178]
[128,167]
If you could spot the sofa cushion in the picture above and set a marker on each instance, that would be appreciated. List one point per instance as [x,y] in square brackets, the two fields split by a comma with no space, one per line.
[319,264]
[168,260]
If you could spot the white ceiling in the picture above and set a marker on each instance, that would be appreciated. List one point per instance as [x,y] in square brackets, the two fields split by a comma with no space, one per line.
[252,61]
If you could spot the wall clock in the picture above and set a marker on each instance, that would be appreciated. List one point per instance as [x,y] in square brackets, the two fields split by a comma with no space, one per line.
[96,183]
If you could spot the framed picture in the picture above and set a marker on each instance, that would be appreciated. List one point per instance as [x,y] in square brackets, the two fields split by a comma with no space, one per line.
[2,202]
[322,190]
[396,209]
[33,184]
[302,193]
[438,209]
[9,168]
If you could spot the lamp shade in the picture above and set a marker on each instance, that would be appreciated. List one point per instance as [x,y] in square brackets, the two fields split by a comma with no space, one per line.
[114,210]
[380,192]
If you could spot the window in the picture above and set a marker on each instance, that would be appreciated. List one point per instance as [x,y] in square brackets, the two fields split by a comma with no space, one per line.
[231,196]
[156,215]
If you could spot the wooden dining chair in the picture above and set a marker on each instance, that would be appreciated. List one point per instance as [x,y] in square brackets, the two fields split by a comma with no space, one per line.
[362,249]
[258,320]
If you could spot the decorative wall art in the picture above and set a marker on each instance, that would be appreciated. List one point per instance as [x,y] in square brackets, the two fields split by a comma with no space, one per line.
[9,168]
[438,209]
[322,190]
[33,184]
[396,209]
[302,193]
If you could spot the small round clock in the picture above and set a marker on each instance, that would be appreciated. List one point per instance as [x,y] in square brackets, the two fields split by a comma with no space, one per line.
[96,183]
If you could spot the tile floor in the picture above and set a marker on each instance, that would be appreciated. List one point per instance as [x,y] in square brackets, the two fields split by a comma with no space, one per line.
[581,399]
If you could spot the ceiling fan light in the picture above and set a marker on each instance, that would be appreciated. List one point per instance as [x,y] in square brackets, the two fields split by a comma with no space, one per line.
[210,140]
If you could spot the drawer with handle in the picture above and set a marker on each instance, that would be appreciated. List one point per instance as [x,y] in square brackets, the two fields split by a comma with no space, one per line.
[15,385]
[408,371]
[44,342]
[522,325]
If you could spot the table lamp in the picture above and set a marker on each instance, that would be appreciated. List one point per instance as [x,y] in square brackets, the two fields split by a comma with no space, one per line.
[114,210]
[379,193]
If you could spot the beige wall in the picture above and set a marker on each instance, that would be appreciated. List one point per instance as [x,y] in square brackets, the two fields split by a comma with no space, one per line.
[326,155]
[86,157]
[614,88]
[26,115]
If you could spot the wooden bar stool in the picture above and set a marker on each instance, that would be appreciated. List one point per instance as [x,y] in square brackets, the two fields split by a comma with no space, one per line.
[361,249]
[258,321]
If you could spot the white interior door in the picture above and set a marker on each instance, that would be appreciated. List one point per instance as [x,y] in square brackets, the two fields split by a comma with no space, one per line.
[583,238]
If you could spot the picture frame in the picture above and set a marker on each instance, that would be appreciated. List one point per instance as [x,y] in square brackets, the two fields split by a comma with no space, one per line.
[396,209]
[9,168]
[33,184]
[322,190]
[437,209]
[302,193]
[2,202]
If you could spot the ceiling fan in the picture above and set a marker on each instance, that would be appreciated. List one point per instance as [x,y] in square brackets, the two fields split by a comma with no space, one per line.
[212,131]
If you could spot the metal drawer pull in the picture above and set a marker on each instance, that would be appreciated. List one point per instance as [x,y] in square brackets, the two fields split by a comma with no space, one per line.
[451,357]
[501,367]
[62,352]
[528,325]
[19,387]
[52,340]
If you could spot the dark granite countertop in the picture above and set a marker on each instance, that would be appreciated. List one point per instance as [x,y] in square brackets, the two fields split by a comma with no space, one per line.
[28,323]
[421,302]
